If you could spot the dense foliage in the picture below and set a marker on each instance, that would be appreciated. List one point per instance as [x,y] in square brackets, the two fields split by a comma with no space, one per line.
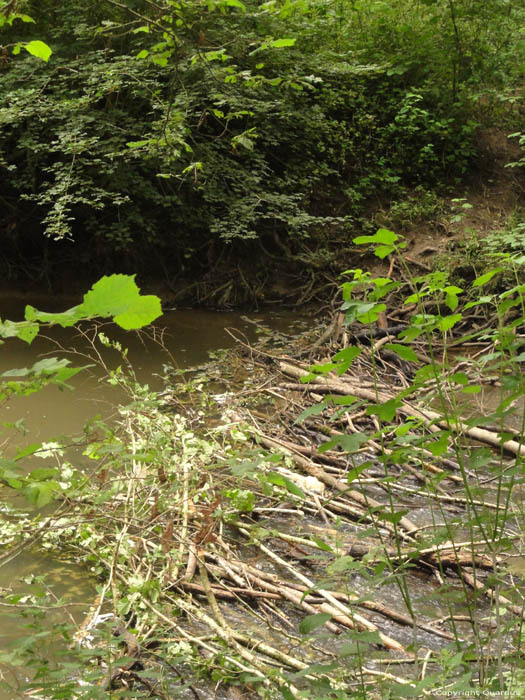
[348,535]
[158,132]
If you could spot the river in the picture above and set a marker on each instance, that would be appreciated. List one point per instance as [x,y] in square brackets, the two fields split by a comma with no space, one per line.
[188,338]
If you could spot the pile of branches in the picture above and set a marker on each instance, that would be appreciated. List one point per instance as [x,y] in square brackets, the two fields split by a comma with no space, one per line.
[233,544]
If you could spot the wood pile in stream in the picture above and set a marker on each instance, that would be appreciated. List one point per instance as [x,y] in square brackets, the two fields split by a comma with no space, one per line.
[235,585]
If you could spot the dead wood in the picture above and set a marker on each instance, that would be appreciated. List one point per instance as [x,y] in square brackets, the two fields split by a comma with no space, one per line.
[430,417]
[318,472]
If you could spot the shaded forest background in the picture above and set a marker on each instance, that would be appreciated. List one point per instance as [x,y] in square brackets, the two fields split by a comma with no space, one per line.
[190,140]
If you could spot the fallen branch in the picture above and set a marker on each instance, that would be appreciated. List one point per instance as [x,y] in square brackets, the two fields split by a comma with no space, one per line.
[428,416]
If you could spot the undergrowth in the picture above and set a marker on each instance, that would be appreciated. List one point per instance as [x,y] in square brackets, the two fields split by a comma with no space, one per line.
[195,496]
[166,134]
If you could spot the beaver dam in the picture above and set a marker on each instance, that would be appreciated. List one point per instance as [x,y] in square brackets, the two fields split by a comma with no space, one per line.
[334,515]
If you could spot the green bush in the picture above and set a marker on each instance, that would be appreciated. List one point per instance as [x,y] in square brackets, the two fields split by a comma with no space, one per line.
[157,133]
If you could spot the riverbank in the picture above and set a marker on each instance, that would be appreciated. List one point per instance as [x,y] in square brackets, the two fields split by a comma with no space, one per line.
[314,517]
[459,230]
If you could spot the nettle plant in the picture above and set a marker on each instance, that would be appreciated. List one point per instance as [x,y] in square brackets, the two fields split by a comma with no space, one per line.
[438,308]
[116,297]
[442,384]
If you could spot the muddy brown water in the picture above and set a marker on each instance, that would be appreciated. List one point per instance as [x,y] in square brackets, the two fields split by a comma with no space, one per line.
[189,337]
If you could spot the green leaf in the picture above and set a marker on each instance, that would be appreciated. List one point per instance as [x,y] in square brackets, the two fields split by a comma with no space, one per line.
[386,411]
[281,43]
[345,357]
[13,482]
[473,389]
[275,44]
[411,333]
[63,375]
[40,494]
[404,352]
[242,499]
[64,319]
[481,300]
[372,315]
[409,424]
[440,446]
[382,235]
[343,400]
[118,296]
[19,329]
[235,3]
[386,242]
[392,517]
[39,49]
[281,480]
[451,296]
[342,564]
[16,372]
[49,364]
[354,473]
[314,410]
[137,144]
[349,443]
[312,622]
[9,468]
[480,457]
[317,670]
[349,649]
[344,360]
[413,298]
[29,450]
[322,545]
[480,281]
[459,378]
[43,473]
[382,251]
[448,322]
[404,690]
[160,60]
[28,332]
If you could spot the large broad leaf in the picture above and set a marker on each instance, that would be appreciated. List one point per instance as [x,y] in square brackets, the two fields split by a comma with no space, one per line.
[480,281]
[64,318]
[236,3]
[274,44]
[447,322]
[118,296]
[280,43]
[24,330]
[314,410]
[386,410]
[39,49]
[382,235]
